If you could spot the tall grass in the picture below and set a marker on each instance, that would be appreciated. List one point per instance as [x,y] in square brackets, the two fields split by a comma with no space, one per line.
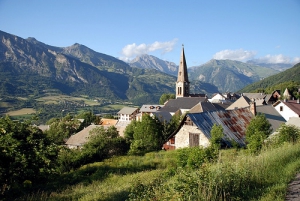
[236,175]
[233,177]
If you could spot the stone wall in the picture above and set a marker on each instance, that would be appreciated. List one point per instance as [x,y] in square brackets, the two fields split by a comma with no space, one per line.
[182,137]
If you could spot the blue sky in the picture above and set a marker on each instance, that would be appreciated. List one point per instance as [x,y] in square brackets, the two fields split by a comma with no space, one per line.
[264,30]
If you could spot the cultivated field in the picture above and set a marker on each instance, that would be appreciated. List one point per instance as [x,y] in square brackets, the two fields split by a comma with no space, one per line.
[22,111]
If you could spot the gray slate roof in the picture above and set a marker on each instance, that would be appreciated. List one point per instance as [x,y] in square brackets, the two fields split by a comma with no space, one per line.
[174,105]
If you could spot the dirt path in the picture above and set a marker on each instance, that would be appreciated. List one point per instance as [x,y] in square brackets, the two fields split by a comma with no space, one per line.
[293,193]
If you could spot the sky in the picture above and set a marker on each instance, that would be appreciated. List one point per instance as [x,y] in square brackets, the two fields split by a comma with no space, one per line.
[263,30]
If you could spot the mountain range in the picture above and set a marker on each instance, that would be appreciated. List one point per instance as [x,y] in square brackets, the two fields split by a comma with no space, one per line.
[29,67]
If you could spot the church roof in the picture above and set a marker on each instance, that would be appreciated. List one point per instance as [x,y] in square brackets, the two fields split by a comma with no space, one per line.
[182,71]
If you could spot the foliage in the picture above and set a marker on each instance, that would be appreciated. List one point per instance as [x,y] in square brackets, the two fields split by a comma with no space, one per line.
[171,126]
[287,133]
[216,136]
[102,143]
[147,135]
[195,157]
[257,131]
[61,129]
[26,154]
[166,97]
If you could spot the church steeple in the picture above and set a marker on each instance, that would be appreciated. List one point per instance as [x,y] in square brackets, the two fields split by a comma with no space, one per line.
[182,84]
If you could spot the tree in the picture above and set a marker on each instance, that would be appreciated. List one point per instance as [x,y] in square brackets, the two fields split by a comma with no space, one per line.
[103,143]
[147,136]
[216,136]
[25,154]
[257,131]
[288,133]
[61,129]
[166,97]
[171,126]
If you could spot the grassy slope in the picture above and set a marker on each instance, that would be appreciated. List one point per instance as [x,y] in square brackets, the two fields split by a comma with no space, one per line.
[236,174]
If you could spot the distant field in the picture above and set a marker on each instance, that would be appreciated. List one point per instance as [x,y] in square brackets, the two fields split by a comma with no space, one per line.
[23,111]
[55,99]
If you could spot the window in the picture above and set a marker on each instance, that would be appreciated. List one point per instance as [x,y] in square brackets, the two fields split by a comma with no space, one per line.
[281,108]
[172,140]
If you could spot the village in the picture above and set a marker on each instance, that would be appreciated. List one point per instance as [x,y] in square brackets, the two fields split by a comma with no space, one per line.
[200,113]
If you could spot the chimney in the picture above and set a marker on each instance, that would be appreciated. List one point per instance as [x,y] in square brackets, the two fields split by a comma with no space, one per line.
[253,108]
[298,101]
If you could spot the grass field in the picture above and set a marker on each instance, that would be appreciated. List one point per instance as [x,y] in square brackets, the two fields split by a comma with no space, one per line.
[23,111]
[55,99]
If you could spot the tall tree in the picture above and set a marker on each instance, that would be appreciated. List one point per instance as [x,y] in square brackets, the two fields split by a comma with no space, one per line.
[147,136]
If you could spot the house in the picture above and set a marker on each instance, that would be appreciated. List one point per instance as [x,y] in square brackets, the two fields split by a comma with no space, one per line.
[217,98]
[288,108]
[77,140]
[148,109]
[195,128]
[127,113]
[272,98]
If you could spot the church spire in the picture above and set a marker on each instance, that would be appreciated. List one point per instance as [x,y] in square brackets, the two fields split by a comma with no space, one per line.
[182,84]
[182,71]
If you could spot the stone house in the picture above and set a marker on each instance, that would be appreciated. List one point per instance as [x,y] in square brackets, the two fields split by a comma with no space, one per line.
[195,128]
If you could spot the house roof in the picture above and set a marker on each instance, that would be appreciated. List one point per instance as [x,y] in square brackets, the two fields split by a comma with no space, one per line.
[150,108]
[293,105]
[81,137]
[203,107]
[255,95]
[234,123]
[271,115]
[163,115]
[174,105]
[127,110]
[108,122]
[242,102]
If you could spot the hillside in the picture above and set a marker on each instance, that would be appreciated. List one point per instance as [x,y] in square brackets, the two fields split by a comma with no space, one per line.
[291,74]
[228,75]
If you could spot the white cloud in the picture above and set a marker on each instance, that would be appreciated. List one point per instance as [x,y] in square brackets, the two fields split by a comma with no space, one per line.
[132,50]
[274,59]
[239,55]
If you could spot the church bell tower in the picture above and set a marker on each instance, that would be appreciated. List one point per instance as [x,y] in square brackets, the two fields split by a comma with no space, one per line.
[182,84]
